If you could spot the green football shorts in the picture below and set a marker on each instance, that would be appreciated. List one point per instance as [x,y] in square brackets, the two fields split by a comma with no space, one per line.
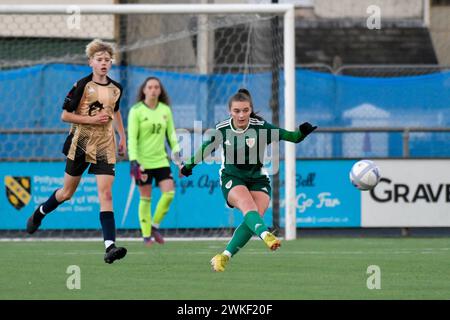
[227,182]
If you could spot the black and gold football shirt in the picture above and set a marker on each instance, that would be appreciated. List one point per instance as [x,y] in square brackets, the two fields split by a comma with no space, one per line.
[93,143]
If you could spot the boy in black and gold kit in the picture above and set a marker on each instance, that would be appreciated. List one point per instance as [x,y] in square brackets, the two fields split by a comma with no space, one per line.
[91,106]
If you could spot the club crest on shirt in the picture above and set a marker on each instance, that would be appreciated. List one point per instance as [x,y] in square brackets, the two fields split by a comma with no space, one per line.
[144,177]
[18,191]
[250,142]
[94,108]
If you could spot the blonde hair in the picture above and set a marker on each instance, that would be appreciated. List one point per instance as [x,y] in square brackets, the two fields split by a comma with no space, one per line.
[98,45]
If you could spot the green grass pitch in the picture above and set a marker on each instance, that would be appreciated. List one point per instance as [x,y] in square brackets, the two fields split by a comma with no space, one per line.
[309,268]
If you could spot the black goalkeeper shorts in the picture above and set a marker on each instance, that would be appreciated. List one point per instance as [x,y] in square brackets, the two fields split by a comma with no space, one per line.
[159,174]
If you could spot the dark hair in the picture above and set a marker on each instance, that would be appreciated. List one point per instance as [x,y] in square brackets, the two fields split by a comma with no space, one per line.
[244,95]
[163,97]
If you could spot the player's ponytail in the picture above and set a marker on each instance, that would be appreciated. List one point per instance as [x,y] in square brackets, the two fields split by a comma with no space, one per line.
[255,115]
[245,91]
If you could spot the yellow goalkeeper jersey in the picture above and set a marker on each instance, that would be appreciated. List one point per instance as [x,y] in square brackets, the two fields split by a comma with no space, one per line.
[148,130]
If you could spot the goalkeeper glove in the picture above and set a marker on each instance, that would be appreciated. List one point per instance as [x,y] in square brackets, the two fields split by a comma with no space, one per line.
[306,128]
[135,170]
[185,171]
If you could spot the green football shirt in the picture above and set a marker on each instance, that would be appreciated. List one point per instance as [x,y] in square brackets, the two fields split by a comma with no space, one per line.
[243,150]
[148,130]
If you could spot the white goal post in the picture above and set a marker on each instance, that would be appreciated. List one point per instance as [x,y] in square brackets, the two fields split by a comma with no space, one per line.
[289,61]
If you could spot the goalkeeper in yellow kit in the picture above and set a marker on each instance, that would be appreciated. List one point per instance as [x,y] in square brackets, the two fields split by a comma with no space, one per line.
[150,123]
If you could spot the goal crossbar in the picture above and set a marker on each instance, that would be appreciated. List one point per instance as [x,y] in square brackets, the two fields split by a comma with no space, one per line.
[146,8]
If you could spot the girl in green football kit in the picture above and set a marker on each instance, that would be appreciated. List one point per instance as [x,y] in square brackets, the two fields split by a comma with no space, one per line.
[245,184]
[150,122]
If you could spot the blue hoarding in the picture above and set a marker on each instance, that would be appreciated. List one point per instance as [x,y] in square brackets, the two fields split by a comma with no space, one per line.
[324,198]
[324,195]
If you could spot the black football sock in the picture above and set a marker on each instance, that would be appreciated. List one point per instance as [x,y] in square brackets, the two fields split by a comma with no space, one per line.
[51,204]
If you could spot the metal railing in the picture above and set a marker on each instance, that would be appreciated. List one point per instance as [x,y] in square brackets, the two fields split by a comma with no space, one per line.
[404,130]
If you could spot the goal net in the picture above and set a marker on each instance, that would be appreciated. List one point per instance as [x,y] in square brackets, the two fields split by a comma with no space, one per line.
[201,53]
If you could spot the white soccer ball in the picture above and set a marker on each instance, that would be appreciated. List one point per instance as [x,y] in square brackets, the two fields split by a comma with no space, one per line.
[365,175]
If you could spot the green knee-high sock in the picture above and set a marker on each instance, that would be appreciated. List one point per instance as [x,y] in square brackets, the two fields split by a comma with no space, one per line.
[241,236]
[145,216]
[162,207]
[255,223]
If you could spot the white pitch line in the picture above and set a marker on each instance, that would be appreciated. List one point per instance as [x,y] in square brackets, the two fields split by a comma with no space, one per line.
[73,253]
[257,252]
